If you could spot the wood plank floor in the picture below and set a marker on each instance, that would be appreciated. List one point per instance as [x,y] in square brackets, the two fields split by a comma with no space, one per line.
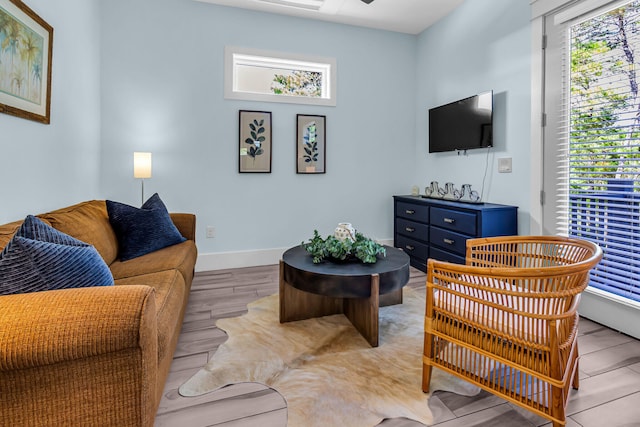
[609,392]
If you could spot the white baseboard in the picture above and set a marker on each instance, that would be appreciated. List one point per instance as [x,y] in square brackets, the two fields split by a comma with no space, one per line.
[240,259]
[612,311]
[226,260]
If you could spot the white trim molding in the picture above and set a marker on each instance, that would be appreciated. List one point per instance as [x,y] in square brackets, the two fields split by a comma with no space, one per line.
[241,259]
[610,310]
[537,137]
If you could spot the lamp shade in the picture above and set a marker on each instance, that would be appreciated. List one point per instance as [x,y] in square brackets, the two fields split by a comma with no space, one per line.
[141,165]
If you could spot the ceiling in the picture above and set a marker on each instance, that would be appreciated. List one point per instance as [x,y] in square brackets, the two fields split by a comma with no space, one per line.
[405,16]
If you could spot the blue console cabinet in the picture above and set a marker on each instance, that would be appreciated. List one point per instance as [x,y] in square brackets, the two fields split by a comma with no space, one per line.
[431,228]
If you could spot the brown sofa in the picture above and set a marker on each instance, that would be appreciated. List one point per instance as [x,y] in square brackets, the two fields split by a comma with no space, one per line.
[97,355]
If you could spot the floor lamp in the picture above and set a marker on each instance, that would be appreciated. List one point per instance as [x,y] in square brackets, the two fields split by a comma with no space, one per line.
[142,168]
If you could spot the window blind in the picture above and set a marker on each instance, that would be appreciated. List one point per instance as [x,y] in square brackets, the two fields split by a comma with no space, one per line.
[600,194]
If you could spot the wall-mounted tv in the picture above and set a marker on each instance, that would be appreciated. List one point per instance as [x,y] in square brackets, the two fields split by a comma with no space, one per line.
[462,125]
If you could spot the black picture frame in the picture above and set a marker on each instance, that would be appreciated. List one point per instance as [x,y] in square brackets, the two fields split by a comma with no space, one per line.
[254,142]
[311,144]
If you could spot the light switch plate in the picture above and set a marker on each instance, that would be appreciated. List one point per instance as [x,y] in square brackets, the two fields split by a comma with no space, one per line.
[504,165]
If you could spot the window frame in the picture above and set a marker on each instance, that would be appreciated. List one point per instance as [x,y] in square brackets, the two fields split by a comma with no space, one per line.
[600,306]
[234,56]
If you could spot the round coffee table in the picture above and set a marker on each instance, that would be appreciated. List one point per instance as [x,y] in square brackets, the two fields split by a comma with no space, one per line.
[354,289]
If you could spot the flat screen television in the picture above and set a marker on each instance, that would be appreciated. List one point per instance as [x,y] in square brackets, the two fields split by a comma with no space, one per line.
[462,125]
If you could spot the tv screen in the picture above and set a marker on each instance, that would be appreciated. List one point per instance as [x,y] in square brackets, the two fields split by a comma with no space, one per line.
[462,125]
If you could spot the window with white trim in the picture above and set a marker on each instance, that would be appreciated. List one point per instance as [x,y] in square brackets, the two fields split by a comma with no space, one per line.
[278,77]
[592,139]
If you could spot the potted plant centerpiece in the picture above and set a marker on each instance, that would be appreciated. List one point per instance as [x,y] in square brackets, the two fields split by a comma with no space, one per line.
[344,245]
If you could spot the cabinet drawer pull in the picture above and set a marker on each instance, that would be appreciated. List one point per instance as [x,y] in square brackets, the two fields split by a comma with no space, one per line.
[409,229]
[409,211]
[409,247]
[449,220]
[449,241]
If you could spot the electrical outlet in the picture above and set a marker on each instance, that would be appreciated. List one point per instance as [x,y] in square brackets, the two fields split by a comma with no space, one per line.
[504,165]
[211,232]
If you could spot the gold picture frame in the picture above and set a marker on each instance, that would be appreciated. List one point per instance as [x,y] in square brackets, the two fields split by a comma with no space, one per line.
[26,43]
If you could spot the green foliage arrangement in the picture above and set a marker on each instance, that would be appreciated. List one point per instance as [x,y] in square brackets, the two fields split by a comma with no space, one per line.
[363,248]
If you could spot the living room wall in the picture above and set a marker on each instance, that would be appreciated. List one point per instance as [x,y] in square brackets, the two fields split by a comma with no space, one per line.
[49,166]
[147,75]
[162,91]
[480,46]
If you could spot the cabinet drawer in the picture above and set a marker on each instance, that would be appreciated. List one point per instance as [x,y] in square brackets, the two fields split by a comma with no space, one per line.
[411,229]
[463,222]
[449,240]
[441,255]
[413,212]
[413,248]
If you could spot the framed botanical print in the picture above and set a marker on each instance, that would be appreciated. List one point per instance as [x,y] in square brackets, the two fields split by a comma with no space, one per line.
[26,46]
[255,141]
[311,144]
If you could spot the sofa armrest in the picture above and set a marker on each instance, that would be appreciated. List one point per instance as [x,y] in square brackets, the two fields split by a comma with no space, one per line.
[99,343]
[186,224]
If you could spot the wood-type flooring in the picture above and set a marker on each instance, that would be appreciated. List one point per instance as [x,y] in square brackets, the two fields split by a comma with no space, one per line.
[609,393]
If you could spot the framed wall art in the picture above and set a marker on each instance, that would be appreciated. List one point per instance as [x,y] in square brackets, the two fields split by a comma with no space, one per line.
[255,141]
[311,143]
[26,46]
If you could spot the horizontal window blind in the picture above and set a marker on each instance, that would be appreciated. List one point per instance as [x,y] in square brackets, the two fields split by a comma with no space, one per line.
[604,145]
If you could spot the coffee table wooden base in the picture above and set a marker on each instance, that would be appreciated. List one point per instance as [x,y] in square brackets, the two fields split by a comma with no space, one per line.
[361,312]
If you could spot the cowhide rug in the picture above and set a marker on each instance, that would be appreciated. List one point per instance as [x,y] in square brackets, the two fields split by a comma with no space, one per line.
[325,370]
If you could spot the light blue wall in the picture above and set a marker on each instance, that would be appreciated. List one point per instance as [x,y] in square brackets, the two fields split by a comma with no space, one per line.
[482,45]
[138,75]
[50,166]
[162,91]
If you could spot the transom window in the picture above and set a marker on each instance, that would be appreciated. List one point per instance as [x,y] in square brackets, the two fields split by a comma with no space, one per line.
[277,77]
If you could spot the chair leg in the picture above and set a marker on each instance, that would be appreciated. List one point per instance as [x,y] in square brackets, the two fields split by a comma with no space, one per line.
[557,405]
[576,371]
[426,377]
[426,362]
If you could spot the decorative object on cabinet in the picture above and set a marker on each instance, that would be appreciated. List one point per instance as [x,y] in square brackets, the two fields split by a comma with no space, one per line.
[432,190]
[29,39]
[430,228]
[450,192]
[255,141]
[311,143]
[468,195]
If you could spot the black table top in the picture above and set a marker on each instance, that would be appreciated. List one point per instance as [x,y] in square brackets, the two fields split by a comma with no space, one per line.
[345,279]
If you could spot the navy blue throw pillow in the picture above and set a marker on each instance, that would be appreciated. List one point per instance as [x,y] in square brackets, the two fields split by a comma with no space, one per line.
[41,258]
[142,230]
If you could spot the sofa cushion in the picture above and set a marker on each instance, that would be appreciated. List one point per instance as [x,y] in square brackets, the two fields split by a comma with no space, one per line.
[7,231]
[87,222]
[142,231]
[181,257]
[41,258]
[169,294]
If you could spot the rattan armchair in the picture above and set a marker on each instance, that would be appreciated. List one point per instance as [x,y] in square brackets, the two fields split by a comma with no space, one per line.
[507,320]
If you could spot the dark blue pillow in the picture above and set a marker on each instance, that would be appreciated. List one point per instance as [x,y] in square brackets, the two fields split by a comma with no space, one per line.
[41,258]
[144,230]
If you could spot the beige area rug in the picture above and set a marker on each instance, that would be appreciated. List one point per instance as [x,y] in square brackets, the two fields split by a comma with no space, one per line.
[325,370]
